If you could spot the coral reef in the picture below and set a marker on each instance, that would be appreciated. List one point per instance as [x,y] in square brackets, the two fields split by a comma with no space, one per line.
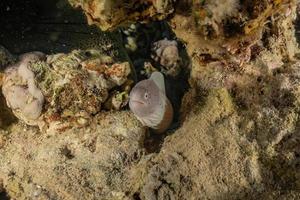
[217,19]
[259,68]
[221,61]
[237,128]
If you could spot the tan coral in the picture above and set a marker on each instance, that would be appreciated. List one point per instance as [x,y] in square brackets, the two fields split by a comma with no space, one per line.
[118,72]
[108,14]
[213,13]
[274,6]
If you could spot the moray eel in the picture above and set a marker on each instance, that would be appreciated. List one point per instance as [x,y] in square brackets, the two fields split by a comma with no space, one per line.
[149,103]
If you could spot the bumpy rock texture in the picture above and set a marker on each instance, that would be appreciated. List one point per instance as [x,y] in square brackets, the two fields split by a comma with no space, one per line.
[88,163]
[194,167]
[107,14]
[239,134]
[64,90]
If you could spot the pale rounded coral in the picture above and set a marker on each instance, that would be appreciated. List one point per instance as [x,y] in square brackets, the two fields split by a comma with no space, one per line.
[20,90]
[166,53]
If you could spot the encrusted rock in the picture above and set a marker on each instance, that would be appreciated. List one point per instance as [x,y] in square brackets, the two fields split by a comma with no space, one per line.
[108,14]
[69,88]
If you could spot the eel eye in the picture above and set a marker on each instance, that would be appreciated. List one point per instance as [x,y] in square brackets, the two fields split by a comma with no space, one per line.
[146,95]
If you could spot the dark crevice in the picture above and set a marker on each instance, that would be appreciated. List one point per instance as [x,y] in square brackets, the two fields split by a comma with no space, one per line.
[6,118]
[67,152]
[297,24]
[176,86]
[136,196]
[4,195]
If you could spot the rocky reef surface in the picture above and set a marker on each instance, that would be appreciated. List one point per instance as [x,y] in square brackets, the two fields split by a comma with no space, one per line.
[237,129]
[109,14]
[65,90]
[68,165]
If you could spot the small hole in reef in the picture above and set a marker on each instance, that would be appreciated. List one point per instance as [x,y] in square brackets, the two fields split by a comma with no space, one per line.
[262,92]
[232,28]
[136,196]
[88,54]
[67,152]
[259,79]
[153,142]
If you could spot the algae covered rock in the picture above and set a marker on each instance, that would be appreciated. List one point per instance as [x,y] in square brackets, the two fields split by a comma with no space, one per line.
[63,90]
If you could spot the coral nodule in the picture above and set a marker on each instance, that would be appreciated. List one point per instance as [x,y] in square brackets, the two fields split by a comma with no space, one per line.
[166,53]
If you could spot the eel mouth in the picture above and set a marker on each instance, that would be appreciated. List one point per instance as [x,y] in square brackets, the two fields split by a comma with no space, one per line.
[137,101]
